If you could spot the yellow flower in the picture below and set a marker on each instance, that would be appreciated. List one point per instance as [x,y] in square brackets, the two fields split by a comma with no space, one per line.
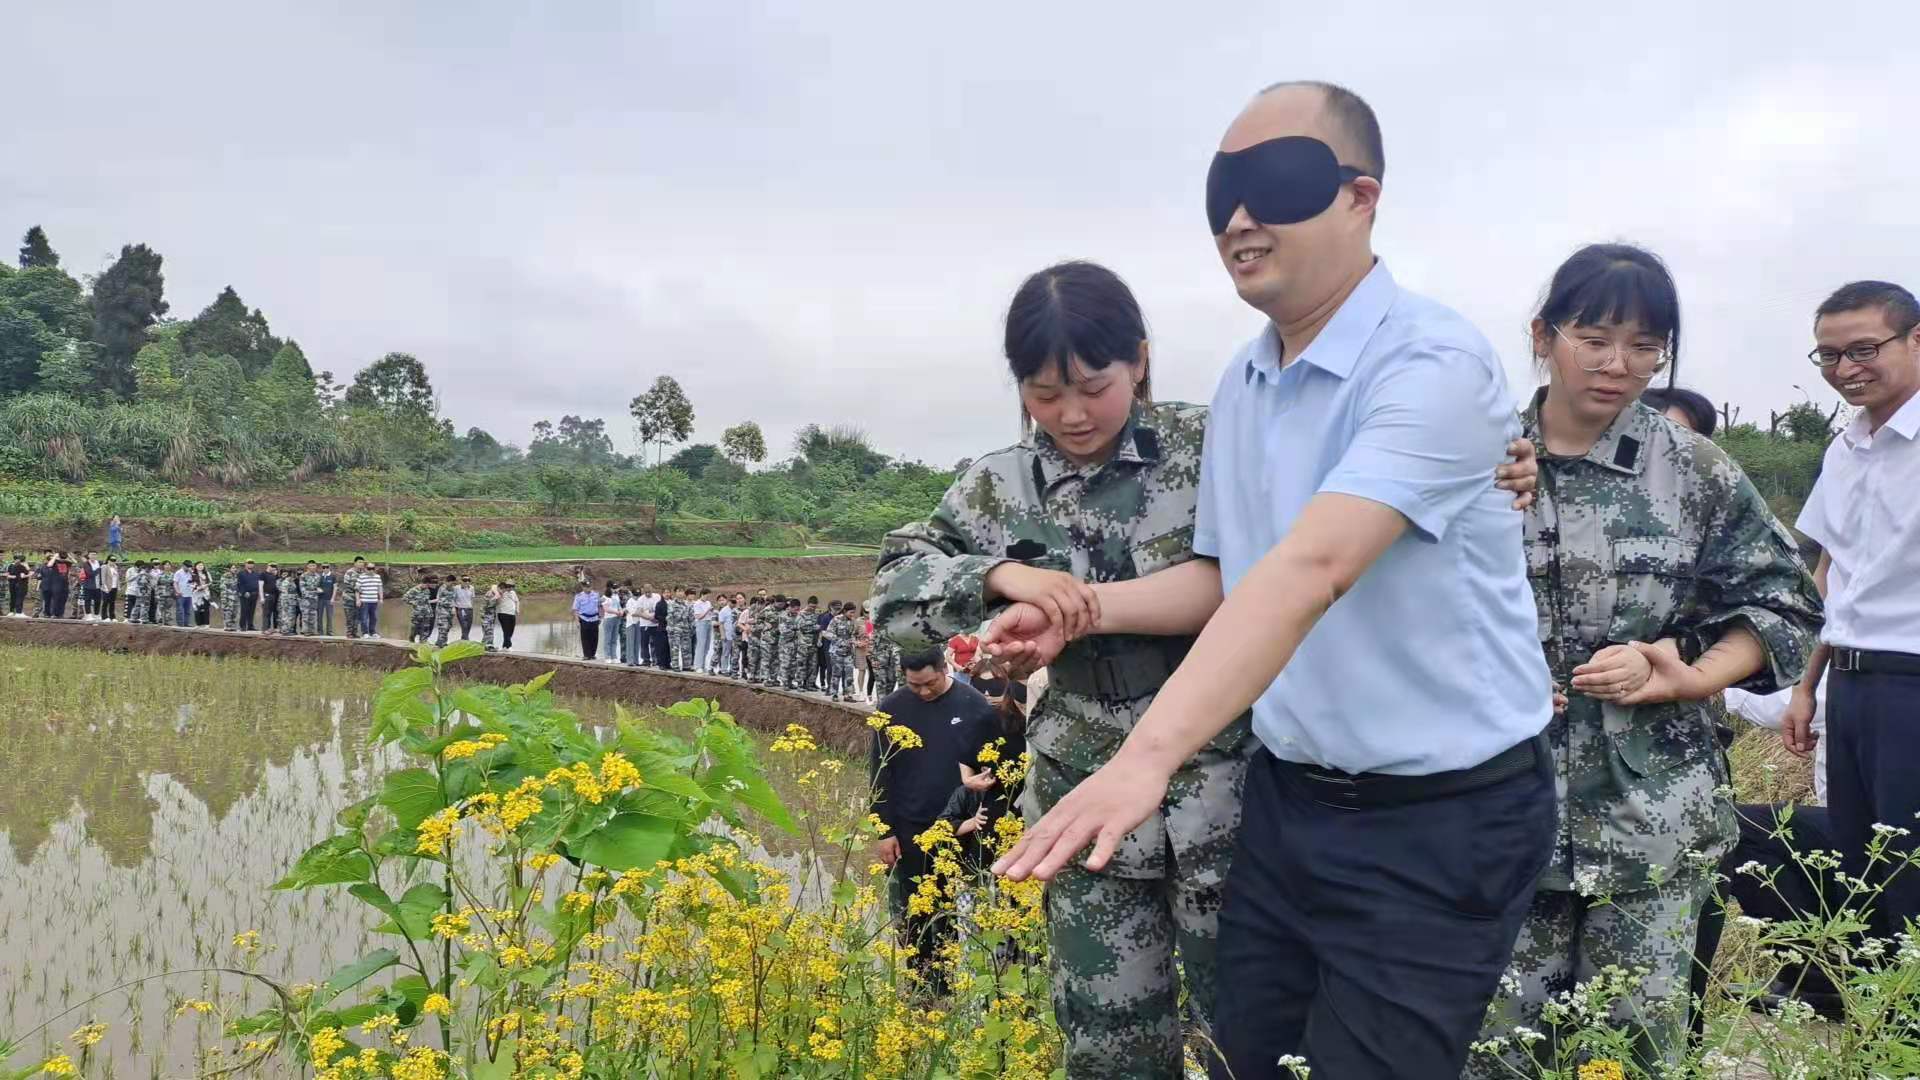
[452,926]
[878,720]
[247,941]
[326,1043]
[467,748]
[796,740]
[616,773]
[58,1065]
[904,737]
[1603,1069]
[436,832]
[542,861]
[437,1005]
[576,901]
[989,754]
[421,1063]
[90,1034]
[193,1005]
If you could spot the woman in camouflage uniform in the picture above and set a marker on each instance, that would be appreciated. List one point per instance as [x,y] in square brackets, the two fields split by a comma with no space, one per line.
[1661,579]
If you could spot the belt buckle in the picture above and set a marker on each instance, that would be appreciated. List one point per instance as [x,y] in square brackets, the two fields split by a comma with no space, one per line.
[1342,792]
[1846,659]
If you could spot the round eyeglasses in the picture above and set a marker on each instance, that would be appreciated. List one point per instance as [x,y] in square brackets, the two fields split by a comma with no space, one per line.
[1597,354]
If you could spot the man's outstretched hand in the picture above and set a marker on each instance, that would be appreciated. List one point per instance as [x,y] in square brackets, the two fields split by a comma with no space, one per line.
[1024,639]
[1101,811]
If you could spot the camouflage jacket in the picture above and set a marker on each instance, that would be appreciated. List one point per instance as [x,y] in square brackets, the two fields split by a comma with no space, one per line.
[1120,520]
[807,625]
[1654,533]
[230,585]
[309,587]
[418,598]
[679,615]
[160,584]
[349,589]
[840,634]
[136,583]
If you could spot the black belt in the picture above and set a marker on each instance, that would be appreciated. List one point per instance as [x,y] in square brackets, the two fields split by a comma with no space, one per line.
[1350,791]
[1122,676]
[1864,662]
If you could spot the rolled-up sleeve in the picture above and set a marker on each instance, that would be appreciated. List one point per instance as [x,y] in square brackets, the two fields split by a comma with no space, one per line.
[1750,573]
[1433,426]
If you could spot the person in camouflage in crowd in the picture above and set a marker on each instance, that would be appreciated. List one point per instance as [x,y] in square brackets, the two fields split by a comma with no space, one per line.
[310,600]
[162,594]
[1661,579]
[840,634]
[1039,519]
[808,649]
[680,629]
[884,662]
[793,661]
[489,614]
[230,597]
[349,594]
[443,612]
[761,645]
[773,674]
[290,603]
[419,601]
[136,588]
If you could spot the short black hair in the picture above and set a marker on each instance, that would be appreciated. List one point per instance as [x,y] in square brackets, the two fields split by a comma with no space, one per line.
[1355,119]
[1701,416]
[1902,311]
[1616,283]
[1074,311]
[924,659]
[813,599]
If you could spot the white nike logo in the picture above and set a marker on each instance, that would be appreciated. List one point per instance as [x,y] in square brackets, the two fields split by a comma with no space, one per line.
[955,721]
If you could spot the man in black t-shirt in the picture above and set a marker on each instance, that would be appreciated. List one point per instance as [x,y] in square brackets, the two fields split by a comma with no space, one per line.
[911,786]
[248,586]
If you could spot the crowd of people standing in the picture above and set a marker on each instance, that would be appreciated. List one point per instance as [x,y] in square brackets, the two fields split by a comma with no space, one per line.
[768,640]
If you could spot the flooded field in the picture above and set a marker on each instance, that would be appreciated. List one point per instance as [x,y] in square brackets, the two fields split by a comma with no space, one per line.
[151,802]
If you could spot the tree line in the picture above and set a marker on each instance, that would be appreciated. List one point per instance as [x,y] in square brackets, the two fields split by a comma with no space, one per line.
[98,378]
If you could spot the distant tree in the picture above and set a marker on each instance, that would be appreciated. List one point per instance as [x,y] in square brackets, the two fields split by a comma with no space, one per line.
[159,366]
[695,459]
[215,386]
[127,299]
[662,415]
[24,343]
[962,465]
[846,444]
[395,384]
[226,326]
[478,449]
[52,296]
[586,440]
[36,252]
[744,442]
[291,363]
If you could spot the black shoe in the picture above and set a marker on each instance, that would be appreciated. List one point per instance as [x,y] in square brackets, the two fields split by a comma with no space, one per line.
[1828,1005]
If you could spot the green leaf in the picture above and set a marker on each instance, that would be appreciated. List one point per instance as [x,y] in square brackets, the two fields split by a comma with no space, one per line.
[474,705]
[460,650]
[353,817]
[356,973]
[329,862]
[413,795]
[537,683]
[412,914]
[628,841]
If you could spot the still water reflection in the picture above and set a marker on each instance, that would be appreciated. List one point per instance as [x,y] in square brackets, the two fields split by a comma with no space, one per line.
[151,802]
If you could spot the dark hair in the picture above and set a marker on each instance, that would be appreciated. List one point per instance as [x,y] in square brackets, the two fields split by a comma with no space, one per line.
[813,599]
[1701,416]
[1355,119]
[1075,311]
[1616,283]
[1902,311]
[924,659]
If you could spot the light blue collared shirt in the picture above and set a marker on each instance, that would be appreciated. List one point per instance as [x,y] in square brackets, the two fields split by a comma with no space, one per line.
[1432,661]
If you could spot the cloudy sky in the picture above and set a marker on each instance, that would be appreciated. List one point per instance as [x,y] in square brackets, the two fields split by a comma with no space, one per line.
[817,212]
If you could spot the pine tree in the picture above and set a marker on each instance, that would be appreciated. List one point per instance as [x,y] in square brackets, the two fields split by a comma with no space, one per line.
[35,251]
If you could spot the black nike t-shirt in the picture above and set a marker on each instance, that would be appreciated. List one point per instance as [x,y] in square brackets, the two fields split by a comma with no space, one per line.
[911,787]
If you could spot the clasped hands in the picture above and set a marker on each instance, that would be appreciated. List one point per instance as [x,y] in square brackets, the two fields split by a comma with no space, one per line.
[1636,673]
[1047,609]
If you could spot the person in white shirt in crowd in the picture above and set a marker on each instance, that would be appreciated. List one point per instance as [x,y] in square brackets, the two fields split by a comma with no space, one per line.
[110,588]
[183,595]
[372,587]
[727,642]
[463,606]
[639,613]
[703,633]
[509,613]
[1865,515]
[650,650]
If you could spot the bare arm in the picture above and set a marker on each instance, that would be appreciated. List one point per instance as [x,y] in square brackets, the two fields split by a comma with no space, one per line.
[1335,540]
[1176,601]
[1796,724]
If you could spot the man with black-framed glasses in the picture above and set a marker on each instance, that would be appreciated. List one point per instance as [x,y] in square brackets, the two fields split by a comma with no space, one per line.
[1865,514]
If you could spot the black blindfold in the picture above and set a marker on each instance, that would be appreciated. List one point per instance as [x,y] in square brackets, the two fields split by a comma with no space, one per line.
[1281,182]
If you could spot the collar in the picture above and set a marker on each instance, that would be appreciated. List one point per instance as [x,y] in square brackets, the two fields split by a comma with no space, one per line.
[1337,348]
[1905,423]
[1138,443]
[1624,447]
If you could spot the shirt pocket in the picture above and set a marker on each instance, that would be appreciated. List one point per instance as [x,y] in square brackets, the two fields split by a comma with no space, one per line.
[1170,548]
[1651,575]
[1653,739]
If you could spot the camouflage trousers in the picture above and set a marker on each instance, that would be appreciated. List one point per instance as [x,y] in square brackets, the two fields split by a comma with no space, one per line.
[680,638]
[1567,939]
[289,614]
[310,617]
[487,618]
[230,613]
[840,663]
[420,628]
[1114,936]
[442,624]
[136,610]
[886,678]
[350,616]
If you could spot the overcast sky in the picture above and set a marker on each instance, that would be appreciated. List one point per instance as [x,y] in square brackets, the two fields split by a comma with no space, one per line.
[816,212]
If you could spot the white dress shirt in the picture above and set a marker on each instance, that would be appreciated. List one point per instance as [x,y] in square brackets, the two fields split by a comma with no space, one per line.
[1865,511]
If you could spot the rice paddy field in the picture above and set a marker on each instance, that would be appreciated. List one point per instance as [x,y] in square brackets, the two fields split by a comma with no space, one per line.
[151,803]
